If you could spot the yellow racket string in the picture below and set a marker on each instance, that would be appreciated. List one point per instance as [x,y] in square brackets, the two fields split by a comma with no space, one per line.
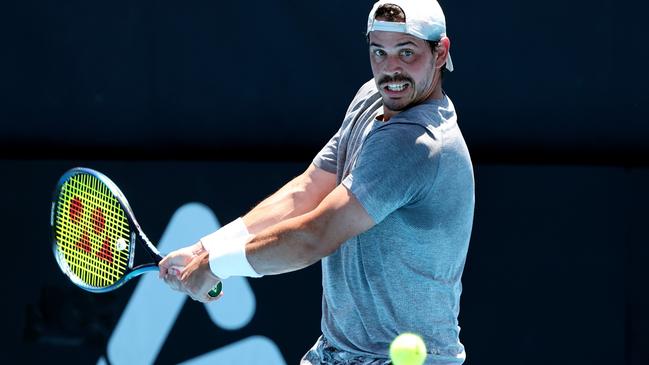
[92,231]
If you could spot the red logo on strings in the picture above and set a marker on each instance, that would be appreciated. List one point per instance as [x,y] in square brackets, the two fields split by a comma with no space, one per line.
[98,227]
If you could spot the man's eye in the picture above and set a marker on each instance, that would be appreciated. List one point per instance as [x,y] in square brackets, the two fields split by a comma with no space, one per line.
[407,53]
[379,52]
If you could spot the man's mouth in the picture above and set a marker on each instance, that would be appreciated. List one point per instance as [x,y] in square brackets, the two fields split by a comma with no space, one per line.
[396,86]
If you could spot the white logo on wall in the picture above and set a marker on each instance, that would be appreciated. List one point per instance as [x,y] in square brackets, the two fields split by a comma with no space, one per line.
[153,308]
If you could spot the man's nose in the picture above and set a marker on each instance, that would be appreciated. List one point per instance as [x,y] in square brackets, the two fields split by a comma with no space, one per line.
[393,66]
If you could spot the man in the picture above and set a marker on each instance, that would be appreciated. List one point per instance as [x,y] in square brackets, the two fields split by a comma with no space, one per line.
[386,206]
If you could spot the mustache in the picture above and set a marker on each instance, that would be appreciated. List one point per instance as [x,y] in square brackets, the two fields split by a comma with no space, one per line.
[398,78]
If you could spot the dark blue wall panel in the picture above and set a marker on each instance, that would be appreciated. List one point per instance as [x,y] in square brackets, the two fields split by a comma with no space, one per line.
[551,82]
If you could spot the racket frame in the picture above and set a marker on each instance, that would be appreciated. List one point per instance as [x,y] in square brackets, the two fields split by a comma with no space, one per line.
[135,233]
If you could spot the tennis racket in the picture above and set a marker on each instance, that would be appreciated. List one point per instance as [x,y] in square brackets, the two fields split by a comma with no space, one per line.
[95,233]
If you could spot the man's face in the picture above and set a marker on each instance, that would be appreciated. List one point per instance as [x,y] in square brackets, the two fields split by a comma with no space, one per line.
[403,68]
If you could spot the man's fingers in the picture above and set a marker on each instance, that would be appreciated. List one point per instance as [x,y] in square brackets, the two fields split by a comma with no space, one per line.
[168,264]
[176,271]
[163,268]
[173,282]
[185,274]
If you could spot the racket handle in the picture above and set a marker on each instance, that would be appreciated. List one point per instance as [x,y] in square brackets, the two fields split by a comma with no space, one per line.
[216,290]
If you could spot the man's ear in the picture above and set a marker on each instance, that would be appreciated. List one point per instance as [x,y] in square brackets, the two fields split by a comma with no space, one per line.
[443,47]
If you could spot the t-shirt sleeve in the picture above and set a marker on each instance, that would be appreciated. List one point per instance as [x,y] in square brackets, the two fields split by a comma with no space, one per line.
[327,158]
[397,166]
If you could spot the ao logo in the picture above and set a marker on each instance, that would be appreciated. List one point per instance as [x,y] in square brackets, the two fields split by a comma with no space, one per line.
[153,308]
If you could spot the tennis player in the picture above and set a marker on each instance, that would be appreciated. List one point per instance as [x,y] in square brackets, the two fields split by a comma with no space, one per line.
[386,207]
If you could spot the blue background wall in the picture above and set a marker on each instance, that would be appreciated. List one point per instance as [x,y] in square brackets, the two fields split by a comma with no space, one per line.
[553,80]
[210,99]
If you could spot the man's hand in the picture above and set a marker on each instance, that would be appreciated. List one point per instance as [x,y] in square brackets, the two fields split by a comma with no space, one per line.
[188,270]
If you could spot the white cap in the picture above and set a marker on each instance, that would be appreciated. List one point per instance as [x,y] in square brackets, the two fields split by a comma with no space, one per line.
[424,19]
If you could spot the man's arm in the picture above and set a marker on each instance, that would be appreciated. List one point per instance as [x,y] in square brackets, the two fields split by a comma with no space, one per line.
[299,196]
[301,241]
[287,246]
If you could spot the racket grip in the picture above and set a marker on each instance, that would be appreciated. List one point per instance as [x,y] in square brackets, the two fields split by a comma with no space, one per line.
[216,290]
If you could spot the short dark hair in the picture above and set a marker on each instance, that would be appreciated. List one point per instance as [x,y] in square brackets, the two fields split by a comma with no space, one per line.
[390,13]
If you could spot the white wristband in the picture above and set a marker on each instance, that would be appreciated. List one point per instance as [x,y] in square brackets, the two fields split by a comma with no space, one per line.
[227,249]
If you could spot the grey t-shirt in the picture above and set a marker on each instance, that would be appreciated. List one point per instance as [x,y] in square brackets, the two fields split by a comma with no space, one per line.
[414,177]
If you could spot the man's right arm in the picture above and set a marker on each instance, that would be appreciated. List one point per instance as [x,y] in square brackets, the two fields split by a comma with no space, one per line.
[299,196]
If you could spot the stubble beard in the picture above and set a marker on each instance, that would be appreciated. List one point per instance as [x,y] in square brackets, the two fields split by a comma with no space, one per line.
[402,103]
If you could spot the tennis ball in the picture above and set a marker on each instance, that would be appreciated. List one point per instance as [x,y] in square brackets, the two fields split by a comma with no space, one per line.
[408,349]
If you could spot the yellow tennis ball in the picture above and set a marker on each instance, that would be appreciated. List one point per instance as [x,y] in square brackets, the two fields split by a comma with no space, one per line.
[408,349]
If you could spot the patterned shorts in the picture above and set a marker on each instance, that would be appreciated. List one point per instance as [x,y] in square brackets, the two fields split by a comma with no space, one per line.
[324,353]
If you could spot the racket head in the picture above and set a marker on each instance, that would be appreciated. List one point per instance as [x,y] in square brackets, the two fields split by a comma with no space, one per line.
[93,231]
